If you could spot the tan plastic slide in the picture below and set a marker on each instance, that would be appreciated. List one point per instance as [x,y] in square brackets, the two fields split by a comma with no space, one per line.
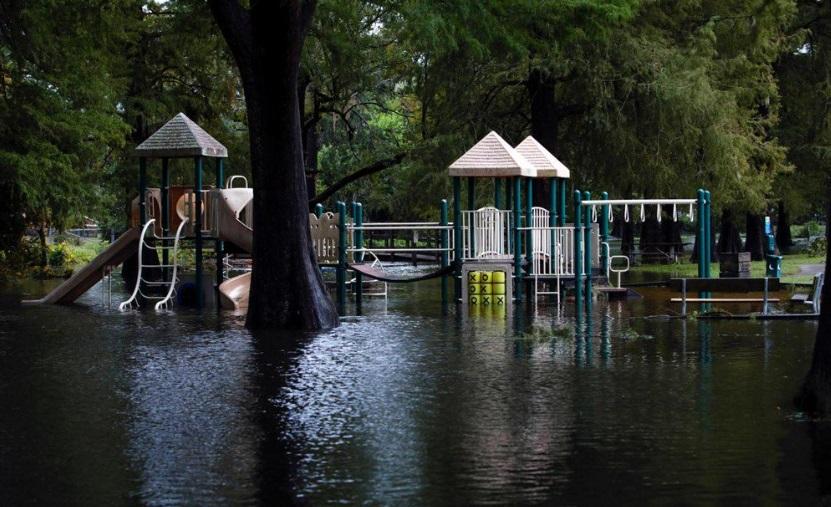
[233,224]
[83,279]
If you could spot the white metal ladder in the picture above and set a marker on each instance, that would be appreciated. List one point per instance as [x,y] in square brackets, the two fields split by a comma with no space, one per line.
[162,302]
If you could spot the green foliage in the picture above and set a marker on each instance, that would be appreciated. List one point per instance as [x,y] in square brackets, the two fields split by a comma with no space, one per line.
[818,247]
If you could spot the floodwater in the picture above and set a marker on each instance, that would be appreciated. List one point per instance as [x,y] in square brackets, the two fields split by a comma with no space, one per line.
[404,405]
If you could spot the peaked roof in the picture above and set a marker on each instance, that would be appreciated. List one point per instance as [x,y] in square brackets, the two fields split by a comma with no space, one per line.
[544,162]
[181,137]
[492,157]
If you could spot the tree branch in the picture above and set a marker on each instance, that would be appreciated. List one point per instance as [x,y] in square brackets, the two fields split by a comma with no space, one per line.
[373,168]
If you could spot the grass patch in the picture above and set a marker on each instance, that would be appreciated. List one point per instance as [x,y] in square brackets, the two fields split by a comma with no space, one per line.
[791,265]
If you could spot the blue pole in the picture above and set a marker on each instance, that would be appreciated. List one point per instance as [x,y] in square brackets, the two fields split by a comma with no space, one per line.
[578,252]
[457,235]
[517,238]
[445,244]
[702,239]
[529,213]
[708,233]
[587,230]
[197,188]
[341,269]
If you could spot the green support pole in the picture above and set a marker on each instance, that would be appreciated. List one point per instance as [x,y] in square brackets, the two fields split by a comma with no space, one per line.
[445,244]
[359,243]
[318,210]
[457,236]
[471,206]
[529,213]
[220,245]
[197,189]
[509,193]
[708,232]
[578,252]
[552,202]
[517,238]
[497,193]
[142,191]
[563,190]
[604,233]
[165,213]
[700,223]
[341,269]
[587,231]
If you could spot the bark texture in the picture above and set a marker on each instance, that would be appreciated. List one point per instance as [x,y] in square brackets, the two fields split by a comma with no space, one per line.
[783,227]
[816,390]
[755,239]
[729,240]
[266,39]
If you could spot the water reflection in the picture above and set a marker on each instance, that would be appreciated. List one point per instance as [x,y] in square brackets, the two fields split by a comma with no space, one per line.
[405,405]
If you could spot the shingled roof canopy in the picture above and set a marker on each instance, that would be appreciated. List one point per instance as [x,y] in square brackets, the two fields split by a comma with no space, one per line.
[492,157]
[546,164]
[181,137]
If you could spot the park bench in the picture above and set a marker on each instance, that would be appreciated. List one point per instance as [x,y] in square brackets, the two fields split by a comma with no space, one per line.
[812,298]
[730,285]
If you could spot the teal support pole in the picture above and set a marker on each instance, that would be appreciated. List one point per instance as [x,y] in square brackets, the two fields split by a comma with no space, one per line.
[509,193]
[219,246]
[702,239]
[517,238]
[359,256]
[197,189]
[341,270]
[587,231]
[142,191]
[552,202]
[445,244]
[497,193]
[165,213]
[563,189]
[457,236]
[529,213]
[578,252]
[471,206]
[708,233]
[318,210]
[604,233]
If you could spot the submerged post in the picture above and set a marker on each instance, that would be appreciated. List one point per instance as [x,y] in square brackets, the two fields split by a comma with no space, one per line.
[220,245]
[142,191]
[517,238]
[708,232]
[445,244]
[700,223]
[197,189]
[587,231]
[165,213]
[341,269]
[578,253]
[604,234]
[529,222]
[359,255]
[471,206]
[457,236]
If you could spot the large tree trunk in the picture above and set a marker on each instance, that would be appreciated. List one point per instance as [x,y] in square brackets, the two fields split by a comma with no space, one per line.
[652,248]
[755,240]
[816,391]
[545,123]
[287,290]
[729,240]
[783,228]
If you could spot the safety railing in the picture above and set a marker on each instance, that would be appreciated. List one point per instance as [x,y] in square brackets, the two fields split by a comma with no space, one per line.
[486,234]
[414,227]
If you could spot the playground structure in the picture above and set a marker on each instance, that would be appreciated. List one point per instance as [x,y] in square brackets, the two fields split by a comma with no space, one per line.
[523,250]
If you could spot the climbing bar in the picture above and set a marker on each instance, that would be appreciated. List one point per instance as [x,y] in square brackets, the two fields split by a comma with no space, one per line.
[620,202]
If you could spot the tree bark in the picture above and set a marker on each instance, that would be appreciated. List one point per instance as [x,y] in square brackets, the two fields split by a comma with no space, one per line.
[545,123]
[729,240]
[755,239]
[815,396]
[783,227]
[287,290]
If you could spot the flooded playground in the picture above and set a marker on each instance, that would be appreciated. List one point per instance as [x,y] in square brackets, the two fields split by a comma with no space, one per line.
[408,404]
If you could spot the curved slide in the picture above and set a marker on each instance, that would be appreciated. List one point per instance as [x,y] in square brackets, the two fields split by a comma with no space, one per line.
[83,279]
[229,204]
